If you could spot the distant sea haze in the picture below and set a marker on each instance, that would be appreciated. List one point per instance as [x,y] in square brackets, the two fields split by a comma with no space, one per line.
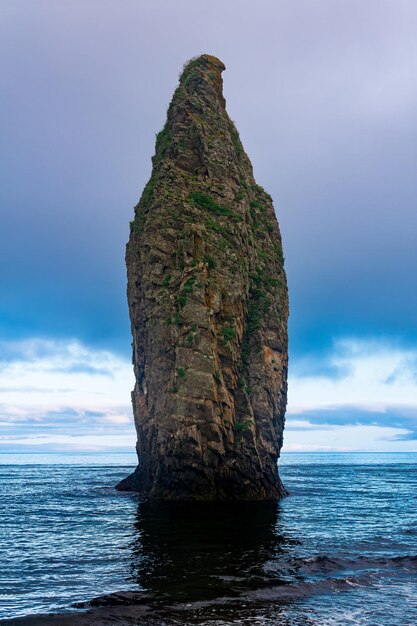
[341,549]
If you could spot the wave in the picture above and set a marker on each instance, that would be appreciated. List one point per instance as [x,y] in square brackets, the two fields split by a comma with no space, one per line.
[319,564]
[285,590]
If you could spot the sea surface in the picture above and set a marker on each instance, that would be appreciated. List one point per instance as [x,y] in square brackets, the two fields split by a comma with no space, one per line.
[341,549]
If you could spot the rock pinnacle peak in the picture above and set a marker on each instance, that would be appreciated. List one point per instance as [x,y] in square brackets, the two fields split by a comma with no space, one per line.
[208,307]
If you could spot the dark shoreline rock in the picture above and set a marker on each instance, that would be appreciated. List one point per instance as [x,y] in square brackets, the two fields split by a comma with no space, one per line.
[101,611]
[127,608]
[208,306]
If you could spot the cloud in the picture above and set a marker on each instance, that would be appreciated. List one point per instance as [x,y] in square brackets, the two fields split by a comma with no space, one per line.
[348,439]
[63,393]
[397,417]
[83,368]
[68,445]
[362,394]
[373,373]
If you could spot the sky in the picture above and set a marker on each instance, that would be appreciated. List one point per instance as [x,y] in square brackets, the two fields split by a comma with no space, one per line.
[324,95]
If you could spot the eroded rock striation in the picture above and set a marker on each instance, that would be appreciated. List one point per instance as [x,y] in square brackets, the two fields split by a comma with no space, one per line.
[208,306]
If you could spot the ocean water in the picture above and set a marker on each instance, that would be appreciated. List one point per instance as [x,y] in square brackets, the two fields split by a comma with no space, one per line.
[341,549]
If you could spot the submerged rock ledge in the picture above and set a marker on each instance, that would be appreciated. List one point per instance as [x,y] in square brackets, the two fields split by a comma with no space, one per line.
[208,306]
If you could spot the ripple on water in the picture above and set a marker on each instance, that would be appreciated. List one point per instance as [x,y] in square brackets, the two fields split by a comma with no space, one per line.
[340,550]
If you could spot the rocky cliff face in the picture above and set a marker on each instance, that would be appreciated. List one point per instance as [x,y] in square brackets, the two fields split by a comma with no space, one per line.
[208,307]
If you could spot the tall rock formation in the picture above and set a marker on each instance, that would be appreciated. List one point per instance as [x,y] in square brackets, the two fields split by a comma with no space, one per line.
[208,307]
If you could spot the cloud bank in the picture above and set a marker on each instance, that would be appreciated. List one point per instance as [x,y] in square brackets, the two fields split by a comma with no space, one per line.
[65,396]
[361,395]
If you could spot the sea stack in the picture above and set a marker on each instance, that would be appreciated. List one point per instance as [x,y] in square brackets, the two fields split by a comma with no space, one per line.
[208,306]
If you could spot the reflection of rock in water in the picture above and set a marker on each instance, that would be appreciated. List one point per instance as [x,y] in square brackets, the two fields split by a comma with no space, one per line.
[200,551]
